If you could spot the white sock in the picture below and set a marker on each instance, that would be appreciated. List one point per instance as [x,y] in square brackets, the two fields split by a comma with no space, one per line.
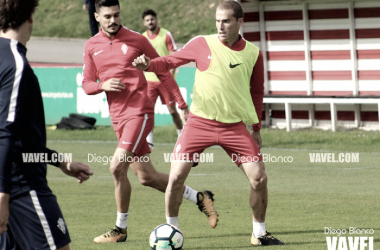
[149,138]
[190,194]
[172,221]
[122,220]
[258,229]
[179,131]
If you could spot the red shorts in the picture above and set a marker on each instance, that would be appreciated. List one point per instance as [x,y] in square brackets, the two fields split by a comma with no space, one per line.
[156,89]
[132,133]
[199,134]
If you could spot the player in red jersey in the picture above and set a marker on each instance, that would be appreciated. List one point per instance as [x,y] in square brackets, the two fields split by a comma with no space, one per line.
[108,58]
[228,93]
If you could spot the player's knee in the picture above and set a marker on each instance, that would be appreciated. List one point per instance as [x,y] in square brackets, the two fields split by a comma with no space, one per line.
[147,180]
[117,169]
[260,182]
[176,182]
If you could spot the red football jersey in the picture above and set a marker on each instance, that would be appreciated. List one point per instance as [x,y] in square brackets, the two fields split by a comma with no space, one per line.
[106,58]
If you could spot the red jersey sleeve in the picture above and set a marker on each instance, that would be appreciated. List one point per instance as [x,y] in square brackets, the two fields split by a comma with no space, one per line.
[257,89]
[191,52]
[89,83]
[170,43]
[165,77]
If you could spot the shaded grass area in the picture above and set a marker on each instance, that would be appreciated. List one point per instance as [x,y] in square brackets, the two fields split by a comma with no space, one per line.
[66,18]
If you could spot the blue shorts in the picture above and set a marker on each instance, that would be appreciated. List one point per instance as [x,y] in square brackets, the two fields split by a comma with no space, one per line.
[35,222]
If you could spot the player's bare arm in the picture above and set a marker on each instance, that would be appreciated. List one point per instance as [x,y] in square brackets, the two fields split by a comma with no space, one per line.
[184,114]
[113,84]
[257,137]
[78,170]
[142,62]
[4,212]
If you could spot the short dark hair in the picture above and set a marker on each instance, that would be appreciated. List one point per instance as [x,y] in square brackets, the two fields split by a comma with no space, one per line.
[13,13]
[234,6]
[106,3]
[148,12]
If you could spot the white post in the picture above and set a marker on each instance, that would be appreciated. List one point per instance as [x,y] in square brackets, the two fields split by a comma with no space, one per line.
[288,116]
[306,30]
[241,31]
[311,115]
[357,115]
[267,118]
[263,46]
[354,59]
[333,116]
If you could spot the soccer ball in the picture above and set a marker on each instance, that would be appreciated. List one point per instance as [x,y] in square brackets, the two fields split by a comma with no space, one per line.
[166,237]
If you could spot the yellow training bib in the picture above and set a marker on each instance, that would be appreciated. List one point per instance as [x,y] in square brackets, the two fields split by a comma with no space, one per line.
[222,92]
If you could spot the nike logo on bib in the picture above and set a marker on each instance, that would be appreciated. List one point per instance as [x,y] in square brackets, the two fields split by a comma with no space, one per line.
[234,65]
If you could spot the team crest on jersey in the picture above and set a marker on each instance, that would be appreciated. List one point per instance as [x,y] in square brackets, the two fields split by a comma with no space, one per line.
[61,225]
[124,48]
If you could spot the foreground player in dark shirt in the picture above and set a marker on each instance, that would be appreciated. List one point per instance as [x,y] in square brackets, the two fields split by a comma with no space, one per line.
[30,217]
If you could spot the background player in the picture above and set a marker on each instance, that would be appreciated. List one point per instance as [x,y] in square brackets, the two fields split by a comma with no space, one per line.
[163,42]
[89,5]
[108,57]
[228,93]
[30,217]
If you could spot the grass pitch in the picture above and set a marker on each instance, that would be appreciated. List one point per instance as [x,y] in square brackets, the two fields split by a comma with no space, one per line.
[304,197]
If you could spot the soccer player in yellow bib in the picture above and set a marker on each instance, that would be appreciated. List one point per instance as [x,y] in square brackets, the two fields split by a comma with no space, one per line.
[163,41]
[228,95]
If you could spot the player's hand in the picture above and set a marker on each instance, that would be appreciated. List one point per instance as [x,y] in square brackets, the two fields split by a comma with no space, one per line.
[142,62]
[113,84]
[184,114]
[85,7]
[4,212]
[78,170]
[257,137]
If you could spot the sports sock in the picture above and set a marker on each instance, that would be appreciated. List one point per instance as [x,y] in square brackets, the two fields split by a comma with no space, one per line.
[258,229]
[190,194]
[122,220]
[179,131]
[149,138]
[172,221]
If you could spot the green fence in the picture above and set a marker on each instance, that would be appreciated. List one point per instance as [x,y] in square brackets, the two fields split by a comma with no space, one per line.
[63,94]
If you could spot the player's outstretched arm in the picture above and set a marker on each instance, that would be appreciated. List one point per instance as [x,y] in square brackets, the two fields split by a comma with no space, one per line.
[257,137]
[78,170]
[184,114]
[142,62]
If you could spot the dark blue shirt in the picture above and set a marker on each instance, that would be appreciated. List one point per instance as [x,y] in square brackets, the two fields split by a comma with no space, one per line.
[22,121]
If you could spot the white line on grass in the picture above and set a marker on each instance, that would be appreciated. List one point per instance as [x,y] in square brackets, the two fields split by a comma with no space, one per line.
[79,141]
[358,168]
[72,178]
[317,150]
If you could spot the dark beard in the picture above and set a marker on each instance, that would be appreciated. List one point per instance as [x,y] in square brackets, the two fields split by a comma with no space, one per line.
[114,33]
